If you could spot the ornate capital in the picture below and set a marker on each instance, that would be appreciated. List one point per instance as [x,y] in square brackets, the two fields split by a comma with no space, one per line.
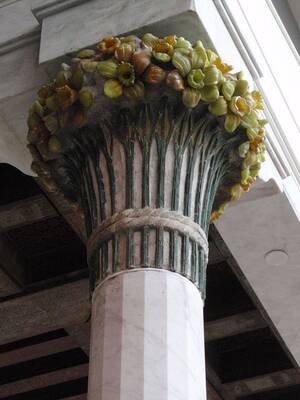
[152,157]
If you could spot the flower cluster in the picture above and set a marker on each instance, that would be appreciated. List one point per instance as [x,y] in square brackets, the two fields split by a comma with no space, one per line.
[127,66]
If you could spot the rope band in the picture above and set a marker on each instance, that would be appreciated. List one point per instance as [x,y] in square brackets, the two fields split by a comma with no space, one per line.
[136,219]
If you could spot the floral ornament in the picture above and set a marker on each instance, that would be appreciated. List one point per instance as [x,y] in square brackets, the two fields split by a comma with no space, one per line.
[128,67]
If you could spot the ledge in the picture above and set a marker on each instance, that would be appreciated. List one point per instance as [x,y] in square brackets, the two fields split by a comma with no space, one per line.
[44,8]
[84,25]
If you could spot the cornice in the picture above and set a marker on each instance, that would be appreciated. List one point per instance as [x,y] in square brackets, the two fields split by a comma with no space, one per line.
[35,12]
[45,8]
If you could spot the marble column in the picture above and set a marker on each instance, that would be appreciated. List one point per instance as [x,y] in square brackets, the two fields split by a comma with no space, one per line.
[147,338]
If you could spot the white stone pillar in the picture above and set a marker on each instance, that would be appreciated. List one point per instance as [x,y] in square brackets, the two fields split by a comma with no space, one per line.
[147,339]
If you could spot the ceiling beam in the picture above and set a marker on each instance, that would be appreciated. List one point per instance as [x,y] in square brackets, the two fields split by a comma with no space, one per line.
[36,208]
[7,285]
[234,325]
[214,382]
[211,393]
[44,380]
[11,263]
[263,383]
[25,212]
[37,350]
[29,315]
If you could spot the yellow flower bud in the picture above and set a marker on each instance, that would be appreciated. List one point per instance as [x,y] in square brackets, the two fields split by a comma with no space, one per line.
[112,88]
[51,103]
[65,97]
[108,45]
[163,57]
[224,68]
[227,89]
[62,78]
[241,87]
[108,68]
[86,97]
[175,80]
[191,97]
[236,192]
[124,52]
[48,184]
[154,74]
[218,107]
[243,149]
[257,97]
[171,39]
[38,108]
[86,53]
[254,170]
[45,91]
[211,57]
[195,78]
[209,94]
[89,66]
[198,57]
[181,62]
[126,74]
[54,144]
[51,123]
[245,175]
[250,120]
[250,160]
[239,106]
[183,43]
[162,51]
[77,78]
[137,91]
[231,122]
[40,168]
[150,40]
[212,75]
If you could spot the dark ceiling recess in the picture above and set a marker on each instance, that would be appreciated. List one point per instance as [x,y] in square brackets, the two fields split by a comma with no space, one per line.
[231,297]
[246,355]
[48,248]
[37,245]
[15,185]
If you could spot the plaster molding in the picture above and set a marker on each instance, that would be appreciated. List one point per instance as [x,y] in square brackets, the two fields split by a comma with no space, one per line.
[21,21]
[42,9]
[116,18]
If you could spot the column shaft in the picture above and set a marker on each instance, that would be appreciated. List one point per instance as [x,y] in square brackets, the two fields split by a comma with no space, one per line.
[147,340]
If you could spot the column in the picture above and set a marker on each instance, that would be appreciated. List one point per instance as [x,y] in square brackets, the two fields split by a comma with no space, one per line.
[148,153]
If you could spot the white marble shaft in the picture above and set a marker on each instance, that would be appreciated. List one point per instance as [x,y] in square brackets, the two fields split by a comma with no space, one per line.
[147,339]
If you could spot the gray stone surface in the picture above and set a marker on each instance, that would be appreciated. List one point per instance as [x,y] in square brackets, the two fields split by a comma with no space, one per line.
[84,25]
[49,309]
[20,71]
[253,228]
[16,21]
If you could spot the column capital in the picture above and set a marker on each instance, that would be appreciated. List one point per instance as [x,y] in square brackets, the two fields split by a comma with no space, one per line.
[152,137]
